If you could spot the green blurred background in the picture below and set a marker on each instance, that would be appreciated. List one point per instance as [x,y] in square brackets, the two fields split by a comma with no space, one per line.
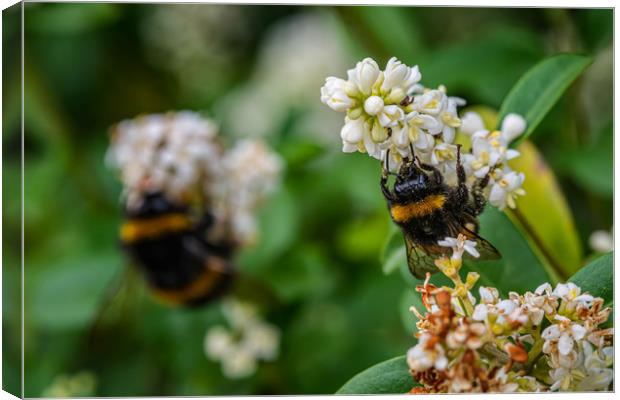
[257,70]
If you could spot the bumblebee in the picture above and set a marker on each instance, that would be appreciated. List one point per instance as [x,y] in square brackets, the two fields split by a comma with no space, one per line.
[428,210]
[180,265]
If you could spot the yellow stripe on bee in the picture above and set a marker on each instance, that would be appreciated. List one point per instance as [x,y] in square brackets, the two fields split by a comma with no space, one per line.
[426,206]
[137,229]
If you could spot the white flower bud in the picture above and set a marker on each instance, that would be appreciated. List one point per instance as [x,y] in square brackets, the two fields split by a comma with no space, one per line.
[373,105]
[601,241]
[366,73]
[513,125]
[480,312]
[353,131]
[471,122]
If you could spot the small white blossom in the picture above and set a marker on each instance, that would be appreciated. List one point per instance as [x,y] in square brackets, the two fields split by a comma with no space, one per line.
[488,295]
[504,191]
[398,76]
[251,339]
[333,95]
[571,294]
[460,245]
[601,241]
[424,355]
[364,75]
[471,122]
[513,125]
[564,334]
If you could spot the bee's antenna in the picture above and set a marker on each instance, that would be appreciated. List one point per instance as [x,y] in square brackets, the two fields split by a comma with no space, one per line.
[412,151]
[387,161]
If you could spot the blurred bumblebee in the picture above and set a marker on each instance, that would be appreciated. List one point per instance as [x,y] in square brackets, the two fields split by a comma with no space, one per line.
[181,266]
[428,210]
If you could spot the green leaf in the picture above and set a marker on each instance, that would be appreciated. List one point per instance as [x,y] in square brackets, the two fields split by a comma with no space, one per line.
[362,238]
[389,377]
[592,167]
[541,87]
[410,298]
[392,30]
[394,253]
[67,294]
[519,265]
[70,19]
[544,213]
[508,52]
[597,278]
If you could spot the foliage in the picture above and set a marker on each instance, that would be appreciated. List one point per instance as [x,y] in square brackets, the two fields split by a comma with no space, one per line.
[389,377]
[323,233]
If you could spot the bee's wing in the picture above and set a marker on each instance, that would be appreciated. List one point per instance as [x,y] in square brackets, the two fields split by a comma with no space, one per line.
[421,259]
[117,302]
[487,250]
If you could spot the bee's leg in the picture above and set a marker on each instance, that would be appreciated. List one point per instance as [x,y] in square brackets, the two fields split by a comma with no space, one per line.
[462,192]
[427,167]
[387,163]
[479,200]
[384,188]
[460,171]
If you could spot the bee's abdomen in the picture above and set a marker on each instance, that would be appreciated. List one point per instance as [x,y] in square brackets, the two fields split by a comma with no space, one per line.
[179,267]
[214,278]
[405,212]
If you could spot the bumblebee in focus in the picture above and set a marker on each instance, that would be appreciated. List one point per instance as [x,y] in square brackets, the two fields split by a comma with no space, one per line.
[180,265]
[428,210]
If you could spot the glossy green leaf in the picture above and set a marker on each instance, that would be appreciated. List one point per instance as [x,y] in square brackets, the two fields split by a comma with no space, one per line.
[389,377]
[394,254]
[597,278]
[541,87]
[410,298]
[519,265]
[544,213]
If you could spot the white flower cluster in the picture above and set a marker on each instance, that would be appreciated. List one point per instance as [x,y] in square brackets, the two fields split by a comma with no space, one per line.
[389,115]
[252,172]
[180,155]
[250,340]
[500,344]
[490,155]
[174,153]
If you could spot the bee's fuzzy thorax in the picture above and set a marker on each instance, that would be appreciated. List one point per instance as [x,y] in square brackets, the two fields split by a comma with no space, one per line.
[408,211]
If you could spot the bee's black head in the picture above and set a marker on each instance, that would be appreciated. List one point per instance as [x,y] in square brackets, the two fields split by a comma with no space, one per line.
[411,181]
[155,204]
